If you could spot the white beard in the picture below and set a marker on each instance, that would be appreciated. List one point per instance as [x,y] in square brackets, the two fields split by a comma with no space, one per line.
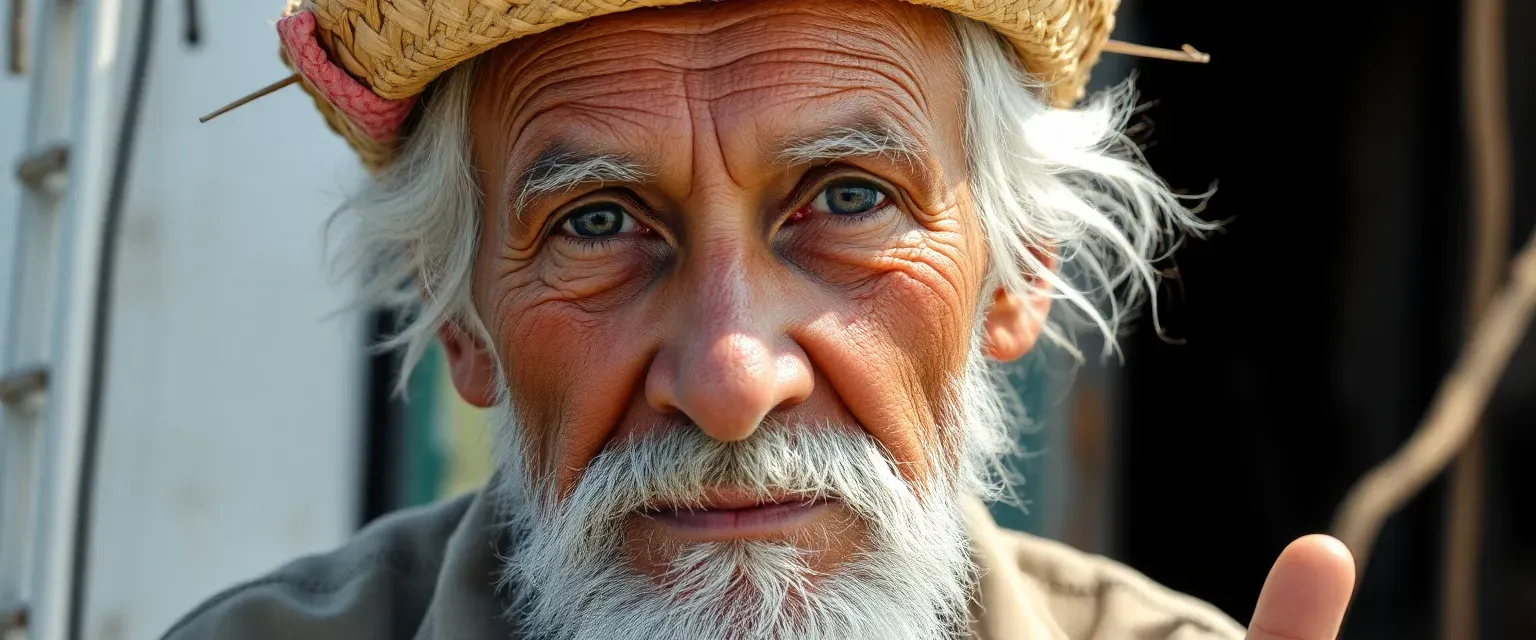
[912,580]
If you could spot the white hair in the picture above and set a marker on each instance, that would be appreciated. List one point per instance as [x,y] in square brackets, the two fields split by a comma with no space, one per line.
[1066,184]
[1062,185]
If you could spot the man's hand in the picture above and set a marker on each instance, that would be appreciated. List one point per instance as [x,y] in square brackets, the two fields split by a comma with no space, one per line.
[1306,593]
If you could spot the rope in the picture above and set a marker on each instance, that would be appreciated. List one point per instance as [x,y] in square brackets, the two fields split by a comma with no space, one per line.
[1489,152]
[1452,417]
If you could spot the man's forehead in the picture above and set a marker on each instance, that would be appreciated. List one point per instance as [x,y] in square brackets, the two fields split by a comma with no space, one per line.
[750,83]
[710,51]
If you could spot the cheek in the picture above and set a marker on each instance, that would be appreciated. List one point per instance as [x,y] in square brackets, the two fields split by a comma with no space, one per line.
[910,298]
[916,334]
[573,377]
[911,284]
[591,276]
[859,258]
[574,344]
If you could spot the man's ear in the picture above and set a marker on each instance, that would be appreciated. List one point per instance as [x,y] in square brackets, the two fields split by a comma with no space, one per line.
[469,364]
[1014,324]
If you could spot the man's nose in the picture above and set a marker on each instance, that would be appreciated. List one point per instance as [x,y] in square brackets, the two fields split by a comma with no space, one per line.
[728,363]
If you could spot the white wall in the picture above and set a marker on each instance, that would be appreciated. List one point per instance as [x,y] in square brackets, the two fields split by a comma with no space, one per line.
[231,434]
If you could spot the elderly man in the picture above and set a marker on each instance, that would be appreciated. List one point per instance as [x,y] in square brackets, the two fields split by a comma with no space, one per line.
[736,277]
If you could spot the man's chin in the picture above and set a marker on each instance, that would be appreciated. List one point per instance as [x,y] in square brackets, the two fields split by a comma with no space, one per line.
[824,533]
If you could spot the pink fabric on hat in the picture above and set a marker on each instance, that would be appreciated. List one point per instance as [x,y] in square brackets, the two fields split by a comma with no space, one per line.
[380,119]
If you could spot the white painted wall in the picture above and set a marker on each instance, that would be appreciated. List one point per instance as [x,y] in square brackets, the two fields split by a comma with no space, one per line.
[234,403]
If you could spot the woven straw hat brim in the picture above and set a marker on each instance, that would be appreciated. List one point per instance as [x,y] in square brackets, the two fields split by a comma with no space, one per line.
[397,47]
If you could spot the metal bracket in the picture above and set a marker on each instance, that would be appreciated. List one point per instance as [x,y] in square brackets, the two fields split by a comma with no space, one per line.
[19,387]
[37,171]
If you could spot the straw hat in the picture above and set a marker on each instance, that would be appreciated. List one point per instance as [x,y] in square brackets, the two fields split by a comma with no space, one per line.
[366,61]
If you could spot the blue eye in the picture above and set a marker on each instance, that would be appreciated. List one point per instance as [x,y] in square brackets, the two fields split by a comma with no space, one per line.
[598,221]
[848,198]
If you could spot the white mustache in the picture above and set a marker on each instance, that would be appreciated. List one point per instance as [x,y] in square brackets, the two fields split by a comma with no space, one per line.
[680,466]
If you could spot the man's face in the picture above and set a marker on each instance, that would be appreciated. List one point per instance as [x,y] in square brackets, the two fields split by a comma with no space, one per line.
[724,215]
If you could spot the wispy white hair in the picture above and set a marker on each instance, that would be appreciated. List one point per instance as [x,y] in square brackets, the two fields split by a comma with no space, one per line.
[1062,186]
[414,228]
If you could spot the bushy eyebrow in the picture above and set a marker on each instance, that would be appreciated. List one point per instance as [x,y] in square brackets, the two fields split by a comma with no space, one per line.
[559,169]
[865,137]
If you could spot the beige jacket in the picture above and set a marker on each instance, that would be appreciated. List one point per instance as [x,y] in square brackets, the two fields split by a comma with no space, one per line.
[429,574]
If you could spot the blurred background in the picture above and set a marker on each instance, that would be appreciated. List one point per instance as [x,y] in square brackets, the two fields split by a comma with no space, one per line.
[187,403]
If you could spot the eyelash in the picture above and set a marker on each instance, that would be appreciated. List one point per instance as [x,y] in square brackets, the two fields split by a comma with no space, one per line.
[590,243]
[856,218]
[558,222]
[804,211]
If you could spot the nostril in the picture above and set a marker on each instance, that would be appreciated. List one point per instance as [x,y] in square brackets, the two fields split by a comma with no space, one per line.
[793,379]
[661,386]
[786,405]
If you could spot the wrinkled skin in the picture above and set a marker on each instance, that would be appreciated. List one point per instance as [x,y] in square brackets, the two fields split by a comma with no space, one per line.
[734,297]
[730,296]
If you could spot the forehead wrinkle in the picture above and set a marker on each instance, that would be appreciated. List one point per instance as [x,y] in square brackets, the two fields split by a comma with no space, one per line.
[817,74]
[691,30]
[534,73]
[548,92]
[820,91]
[788,66]
[718,146]
[713,83]
[601,71]
[887,62]
[523,91]
[701,23]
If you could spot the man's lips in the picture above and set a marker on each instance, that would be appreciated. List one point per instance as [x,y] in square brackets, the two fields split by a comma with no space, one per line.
[733,515]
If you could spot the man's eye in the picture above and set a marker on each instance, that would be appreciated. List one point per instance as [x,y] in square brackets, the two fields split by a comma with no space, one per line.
[848,198]
[598,221]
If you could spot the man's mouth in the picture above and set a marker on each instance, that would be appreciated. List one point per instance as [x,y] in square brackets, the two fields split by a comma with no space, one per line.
[728,515]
